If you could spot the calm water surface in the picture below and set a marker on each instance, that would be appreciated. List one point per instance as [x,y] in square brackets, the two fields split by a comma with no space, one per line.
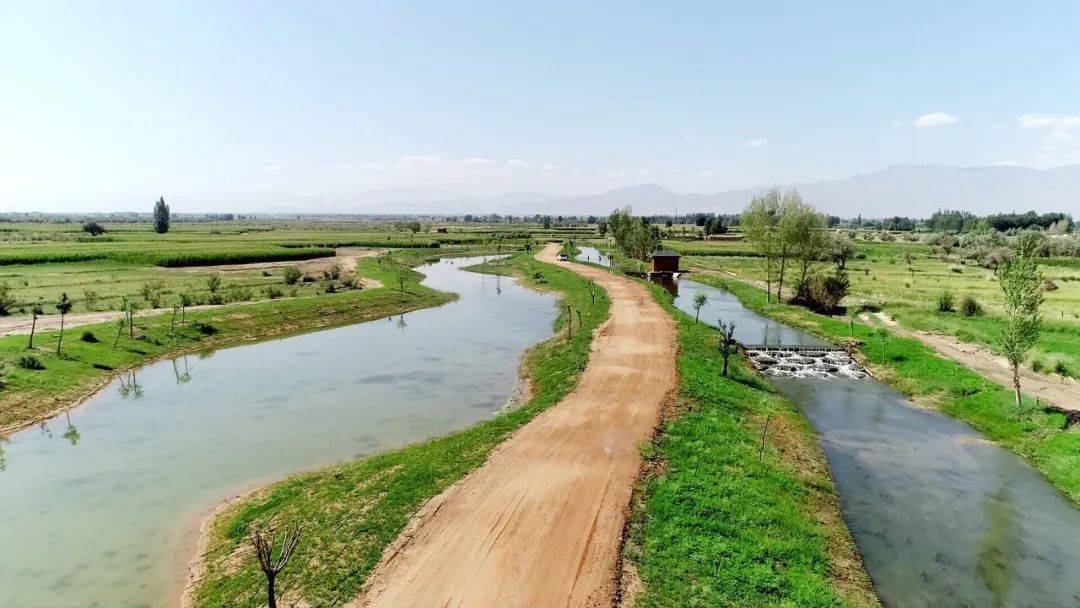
[100,512]
[592,254]
[944,519]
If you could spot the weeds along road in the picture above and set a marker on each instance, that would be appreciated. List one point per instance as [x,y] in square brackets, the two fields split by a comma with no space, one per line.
[540,523]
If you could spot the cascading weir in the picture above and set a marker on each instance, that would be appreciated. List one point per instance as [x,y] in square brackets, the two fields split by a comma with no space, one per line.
[803,361]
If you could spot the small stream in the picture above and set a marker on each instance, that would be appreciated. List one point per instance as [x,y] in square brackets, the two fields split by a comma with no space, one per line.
[943,517]
[99,509]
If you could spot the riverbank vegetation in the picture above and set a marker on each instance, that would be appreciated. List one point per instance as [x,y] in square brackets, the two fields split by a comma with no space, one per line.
[40,381]
[1042,436]
[737,507]
[352,511]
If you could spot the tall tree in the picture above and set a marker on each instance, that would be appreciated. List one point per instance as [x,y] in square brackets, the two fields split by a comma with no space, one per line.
[161,216]
[1021,284]
[63,306]
[760,221]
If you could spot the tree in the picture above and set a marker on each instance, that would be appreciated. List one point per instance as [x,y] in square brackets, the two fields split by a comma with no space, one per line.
[119,330]
[63,306]
[401,275]
[602,228]
[183,300]
[272,564]
[36,310]
[840,250]
[727,342]
[760,221]
[291,275]
[213,282]
[546,222]
[161,216]
[1021,283]
[700,299]
[93,228]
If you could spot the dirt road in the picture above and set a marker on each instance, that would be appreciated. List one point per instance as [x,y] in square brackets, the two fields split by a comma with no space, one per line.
[540,523]
[1062,392]
[346,257]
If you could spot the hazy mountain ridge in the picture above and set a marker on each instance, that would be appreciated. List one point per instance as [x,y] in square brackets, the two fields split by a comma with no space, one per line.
[907,190]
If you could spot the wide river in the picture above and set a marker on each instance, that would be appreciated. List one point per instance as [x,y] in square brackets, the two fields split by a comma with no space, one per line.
[943,518]
[101,509]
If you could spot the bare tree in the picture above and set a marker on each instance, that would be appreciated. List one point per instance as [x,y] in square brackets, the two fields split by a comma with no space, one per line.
[727,342]
[272,564]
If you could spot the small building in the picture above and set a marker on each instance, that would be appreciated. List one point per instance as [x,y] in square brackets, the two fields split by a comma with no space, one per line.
[664,264]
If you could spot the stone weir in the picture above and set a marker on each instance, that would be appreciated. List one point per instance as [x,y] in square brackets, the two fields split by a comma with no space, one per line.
[804,361]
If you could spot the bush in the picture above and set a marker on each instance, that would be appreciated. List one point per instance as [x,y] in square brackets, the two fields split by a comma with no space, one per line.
[1049,285]
[272,292]
[89,337]
[215,299]
[970,307]
[823,293]
[291,275]
[945,302]
[1061,368]
[7,300]
[330,288]
[30,362]
[205,329]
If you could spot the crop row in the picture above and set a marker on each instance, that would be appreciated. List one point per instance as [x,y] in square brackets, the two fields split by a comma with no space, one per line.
[168,258]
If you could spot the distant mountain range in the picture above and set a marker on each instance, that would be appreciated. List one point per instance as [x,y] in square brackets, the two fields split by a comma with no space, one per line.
[907,190]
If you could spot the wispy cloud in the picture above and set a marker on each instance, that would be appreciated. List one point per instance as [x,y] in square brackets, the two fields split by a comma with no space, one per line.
[1051,121]
[1061,141]
[935,119]
[757,143]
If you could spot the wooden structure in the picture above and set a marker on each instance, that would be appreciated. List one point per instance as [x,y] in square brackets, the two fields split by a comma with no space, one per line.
[664,264]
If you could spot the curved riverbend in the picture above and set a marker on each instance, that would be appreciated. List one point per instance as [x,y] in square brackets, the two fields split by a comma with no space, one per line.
[942,517]
[100,510]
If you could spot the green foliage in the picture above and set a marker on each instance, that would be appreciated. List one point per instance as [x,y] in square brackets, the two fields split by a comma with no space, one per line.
[89,337]
[970,307]
[30,362]
[634,236]
[93,228]
[1021,284]
[213,282]
[291,275]
[945,302]
[161,216]
[7,299]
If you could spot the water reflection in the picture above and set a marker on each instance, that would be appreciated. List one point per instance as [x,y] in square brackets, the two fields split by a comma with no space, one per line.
[592,255]
[750,328]
[164,443]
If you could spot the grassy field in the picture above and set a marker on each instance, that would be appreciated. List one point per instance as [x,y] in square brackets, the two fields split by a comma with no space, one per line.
[1042,437]
[352,511]
[906,279]
[89,358]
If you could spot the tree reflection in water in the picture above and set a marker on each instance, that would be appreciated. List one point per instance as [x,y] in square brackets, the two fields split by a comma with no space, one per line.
[1000,547]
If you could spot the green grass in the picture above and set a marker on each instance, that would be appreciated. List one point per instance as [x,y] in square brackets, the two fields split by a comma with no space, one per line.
[352,511]
[718,527]
[84,366]
[1039,436]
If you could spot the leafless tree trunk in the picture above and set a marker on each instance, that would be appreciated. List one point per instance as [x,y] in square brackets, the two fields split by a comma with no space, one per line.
[264,550]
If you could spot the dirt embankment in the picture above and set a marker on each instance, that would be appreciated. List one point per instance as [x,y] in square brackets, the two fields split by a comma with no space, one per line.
[1062,392]
[346,257]
[540,523]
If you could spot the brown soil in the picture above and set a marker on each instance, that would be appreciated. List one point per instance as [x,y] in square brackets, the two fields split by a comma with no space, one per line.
[540,523]
[1057,390]
[346,257]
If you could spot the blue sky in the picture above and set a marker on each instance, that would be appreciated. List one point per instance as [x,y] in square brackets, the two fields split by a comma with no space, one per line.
[245,105]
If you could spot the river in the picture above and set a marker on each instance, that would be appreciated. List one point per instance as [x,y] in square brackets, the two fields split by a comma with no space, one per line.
[100,508]
[943,517]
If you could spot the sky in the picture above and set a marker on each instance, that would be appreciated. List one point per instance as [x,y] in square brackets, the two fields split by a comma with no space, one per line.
[245,106]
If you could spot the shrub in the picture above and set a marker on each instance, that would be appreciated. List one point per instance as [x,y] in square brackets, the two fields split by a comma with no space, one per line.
[970,307]
[30,362]
[90,298]
[330,288]
[205,329]
[1037,365]
[1061,368]
[7,300]
[945,302]
[1049,285]
[89,337]
[823,292]
[213,282]
[291,275]
[215,299]
[272,292]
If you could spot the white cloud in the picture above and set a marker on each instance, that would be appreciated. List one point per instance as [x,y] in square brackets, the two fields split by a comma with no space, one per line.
[756,143]
[1060,141]
[1052,121]
[935,119]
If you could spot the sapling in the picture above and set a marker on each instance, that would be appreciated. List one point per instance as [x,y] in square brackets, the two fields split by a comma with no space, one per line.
[700,299]
[272,564]
[63,306]
[726,342]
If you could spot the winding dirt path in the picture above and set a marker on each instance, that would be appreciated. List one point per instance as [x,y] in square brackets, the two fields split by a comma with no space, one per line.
[540,523]
[1062,392]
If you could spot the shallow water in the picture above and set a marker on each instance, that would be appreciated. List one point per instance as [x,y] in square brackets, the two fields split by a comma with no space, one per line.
[593,255]
[943,518]
[105,517]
